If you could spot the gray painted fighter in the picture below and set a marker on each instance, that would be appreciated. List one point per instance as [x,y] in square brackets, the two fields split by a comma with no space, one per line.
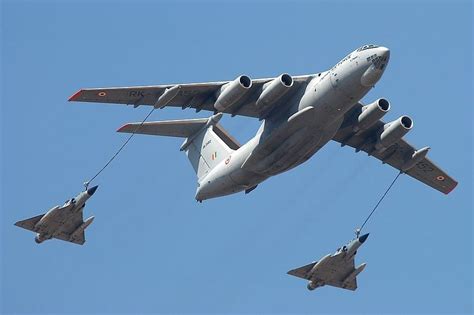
[300,115]
[62,222]
[337,270]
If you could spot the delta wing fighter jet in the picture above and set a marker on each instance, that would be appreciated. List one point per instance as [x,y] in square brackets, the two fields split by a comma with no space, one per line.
[336,270]
[300,115]
[62,222]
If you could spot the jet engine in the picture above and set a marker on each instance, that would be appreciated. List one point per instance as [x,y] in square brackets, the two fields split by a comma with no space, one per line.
[232,92]
[274,90]
[371,114]
[393,131]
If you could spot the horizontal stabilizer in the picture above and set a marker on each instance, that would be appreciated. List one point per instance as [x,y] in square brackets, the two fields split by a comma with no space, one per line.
[185,128]
[171,128]
[29,224]
[206,142]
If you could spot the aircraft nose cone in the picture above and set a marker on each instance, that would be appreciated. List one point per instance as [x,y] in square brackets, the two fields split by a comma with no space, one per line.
[92,190]
[376,67]
[363,238]
[384,52]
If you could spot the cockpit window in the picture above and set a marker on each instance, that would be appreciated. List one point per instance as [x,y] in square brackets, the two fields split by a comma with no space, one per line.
[365,47]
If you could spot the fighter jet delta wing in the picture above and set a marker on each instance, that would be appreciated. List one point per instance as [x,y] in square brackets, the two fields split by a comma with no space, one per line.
[384,141]
[29,224]
[305,271]
[73,229]
[242,96]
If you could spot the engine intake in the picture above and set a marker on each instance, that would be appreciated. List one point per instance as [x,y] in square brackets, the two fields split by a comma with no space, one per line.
[393,131]
[371,114]
[232,92]
[273,91]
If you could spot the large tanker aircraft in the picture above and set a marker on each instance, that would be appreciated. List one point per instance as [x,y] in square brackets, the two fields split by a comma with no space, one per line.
[299,114]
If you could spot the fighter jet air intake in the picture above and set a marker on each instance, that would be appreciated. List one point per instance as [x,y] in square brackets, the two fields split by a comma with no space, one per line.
[299,114]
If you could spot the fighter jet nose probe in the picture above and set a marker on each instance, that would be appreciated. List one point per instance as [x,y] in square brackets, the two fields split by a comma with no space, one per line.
[62,222]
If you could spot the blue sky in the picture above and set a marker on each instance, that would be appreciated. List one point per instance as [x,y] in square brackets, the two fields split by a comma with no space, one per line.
[152,248]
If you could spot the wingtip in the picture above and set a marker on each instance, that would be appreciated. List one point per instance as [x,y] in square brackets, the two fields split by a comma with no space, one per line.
[121,129]
[75,96]
[291,273]
[451,188]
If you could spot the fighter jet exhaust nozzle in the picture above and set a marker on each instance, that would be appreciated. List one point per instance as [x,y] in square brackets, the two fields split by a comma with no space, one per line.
[371,114]
[393,131]
[39,239]
[231,92]
[274,90]
[313,285]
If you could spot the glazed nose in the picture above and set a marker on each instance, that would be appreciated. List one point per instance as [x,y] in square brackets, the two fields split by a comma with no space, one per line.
[384,52]
[376,67]
[384,56]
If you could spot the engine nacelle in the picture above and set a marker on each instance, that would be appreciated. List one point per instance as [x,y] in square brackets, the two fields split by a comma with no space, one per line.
[393,131]
[232,92]
[371,114]
[274,90]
